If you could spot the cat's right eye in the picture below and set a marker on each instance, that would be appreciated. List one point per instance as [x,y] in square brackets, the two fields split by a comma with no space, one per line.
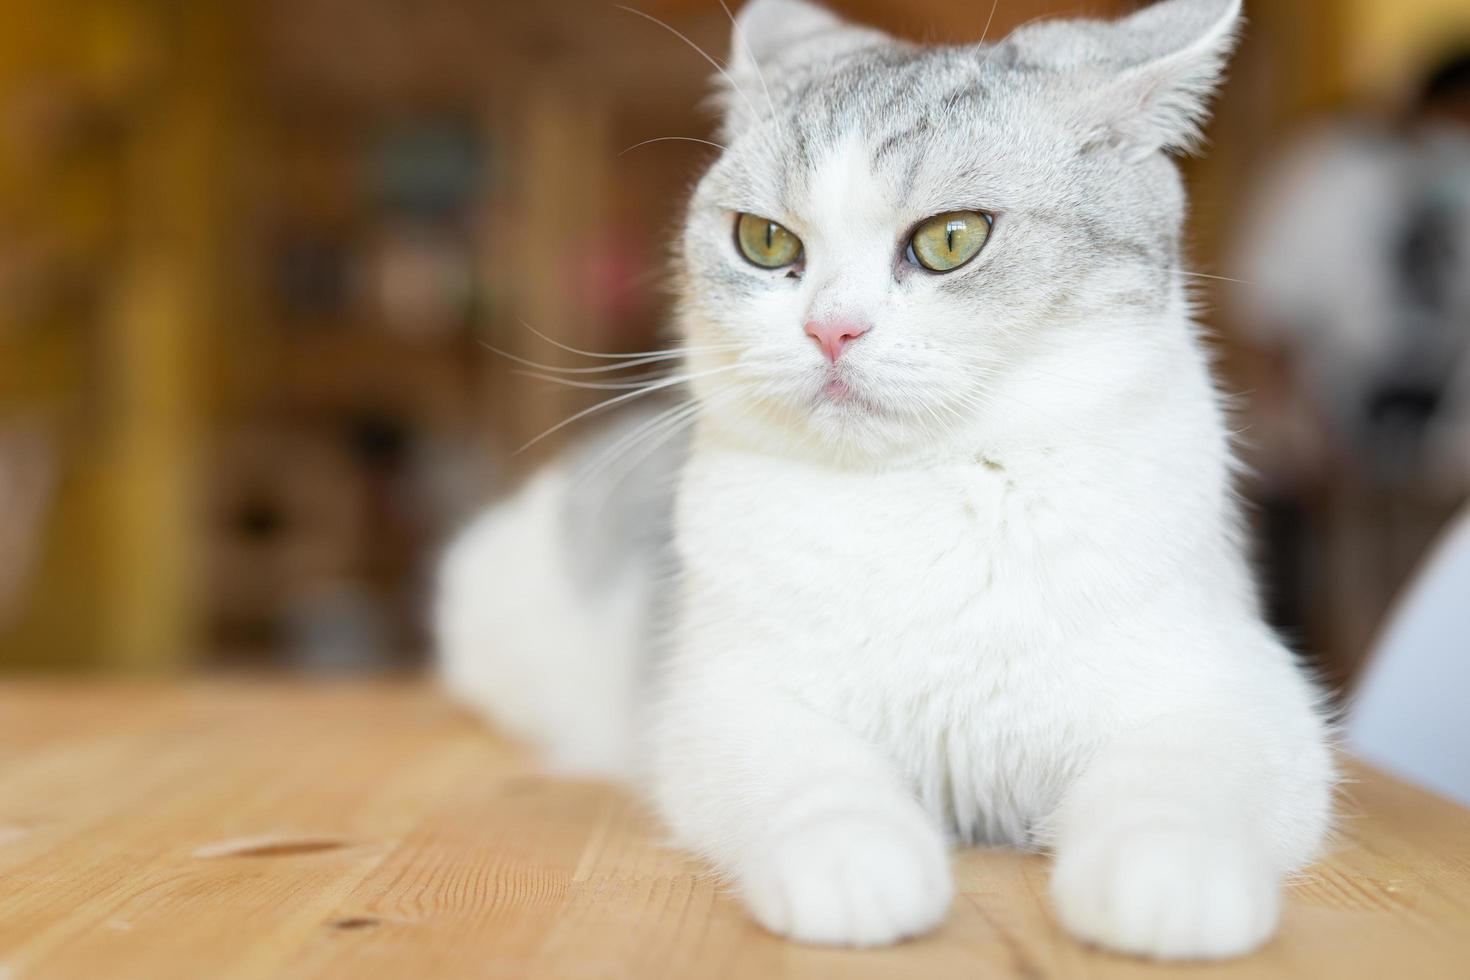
[765,243]
[947,241]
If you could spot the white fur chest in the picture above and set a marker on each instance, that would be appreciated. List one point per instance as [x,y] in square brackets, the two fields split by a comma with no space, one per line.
[934,611]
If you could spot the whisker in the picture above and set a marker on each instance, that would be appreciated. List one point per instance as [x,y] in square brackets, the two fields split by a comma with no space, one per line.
[702,53]
[1206,275]
[989,20]
[744,43]
[602,355]
[1175,270]
[642,391]
[1025,23]
[622,385]
[645,440]
[628,440]
[669,355]
[667,428]
[679,139]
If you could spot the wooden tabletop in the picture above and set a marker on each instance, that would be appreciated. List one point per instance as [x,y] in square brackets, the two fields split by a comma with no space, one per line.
[231,830]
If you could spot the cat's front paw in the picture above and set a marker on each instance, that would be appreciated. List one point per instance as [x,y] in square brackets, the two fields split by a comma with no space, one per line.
[854,879]
[1166,891]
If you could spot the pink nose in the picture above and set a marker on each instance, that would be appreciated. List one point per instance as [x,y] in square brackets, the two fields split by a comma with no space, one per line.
[833,336]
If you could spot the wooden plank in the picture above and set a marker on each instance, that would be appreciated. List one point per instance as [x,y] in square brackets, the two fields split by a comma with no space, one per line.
[251,831]
[113,815]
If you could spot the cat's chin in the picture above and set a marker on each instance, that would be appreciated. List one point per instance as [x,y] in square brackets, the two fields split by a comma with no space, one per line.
[843,397]
[857,427]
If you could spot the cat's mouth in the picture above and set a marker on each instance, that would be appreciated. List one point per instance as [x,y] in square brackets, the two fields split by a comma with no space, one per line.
[843,393]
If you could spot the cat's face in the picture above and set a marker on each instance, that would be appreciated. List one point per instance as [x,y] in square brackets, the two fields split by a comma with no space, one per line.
[921,221]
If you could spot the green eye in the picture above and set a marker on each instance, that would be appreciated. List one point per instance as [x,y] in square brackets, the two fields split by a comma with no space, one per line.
[947,241]
[765,243]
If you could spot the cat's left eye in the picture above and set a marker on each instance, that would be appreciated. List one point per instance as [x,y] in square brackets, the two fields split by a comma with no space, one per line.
[947,241]
[765,243]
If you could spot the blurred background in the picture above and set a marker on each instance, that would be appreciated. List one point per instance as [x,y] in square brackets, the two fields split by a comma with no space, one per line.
[251,254]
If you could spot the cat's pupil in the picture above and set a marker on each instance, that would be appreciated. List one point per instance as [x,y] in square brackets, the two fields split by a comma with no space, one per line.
[770,235]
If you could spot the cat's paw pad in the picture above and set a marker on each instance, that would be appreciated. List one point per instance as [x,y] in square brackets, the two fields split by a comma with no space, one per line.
[1166,892]
[851,879]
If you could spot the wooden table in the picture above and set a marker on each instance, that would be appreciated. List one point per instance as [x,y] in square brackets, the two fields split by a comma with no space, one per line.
[231,830]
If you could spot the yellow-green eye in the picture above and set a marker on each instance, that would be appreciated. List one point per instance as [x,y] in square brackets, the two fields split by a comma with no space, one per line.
[765,243]
[947,241]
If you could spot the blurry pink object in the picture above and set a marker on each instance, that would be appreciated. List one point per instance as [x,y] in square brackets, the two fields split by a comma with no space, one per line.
[614,278]
[423,282]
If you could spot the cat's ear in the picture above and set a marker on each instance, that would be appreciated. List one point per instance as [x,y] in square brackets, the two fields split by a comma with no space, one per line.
[771,37]
[1144,83]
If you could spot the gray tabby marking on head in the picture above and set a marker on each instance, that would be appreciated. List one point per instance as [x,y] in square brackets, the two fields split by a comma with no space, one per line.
[848,138]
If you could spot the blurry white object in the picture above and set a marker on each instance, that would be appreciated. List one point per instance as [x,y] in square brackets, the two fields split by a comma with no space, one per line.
[1356,258]
[1409,714]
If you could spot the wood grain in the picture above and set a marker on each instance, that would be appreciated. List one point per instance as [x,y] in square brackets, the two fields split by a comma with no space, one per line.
[232,830]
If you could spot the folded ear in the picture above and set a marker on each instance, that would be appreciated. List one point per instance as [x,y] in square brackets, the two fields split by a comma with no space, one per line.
[773,37]
[1144,82]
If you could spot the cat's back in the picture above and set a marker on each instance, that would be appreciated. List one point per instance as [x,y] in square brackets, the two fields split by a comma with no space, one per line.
[546,602]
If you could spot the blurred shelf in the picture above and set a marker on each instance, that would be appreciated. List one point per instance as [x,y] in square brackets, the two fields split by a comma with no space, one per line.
[337,367]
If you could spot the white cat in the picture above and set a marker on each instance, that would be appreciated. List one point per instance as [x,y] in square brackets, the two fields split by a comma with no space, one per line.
[957,555]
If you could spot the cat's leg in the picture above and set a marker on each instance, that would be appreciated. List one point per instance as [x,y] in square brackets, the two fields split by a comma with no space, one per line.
[1174,841]
[818,832]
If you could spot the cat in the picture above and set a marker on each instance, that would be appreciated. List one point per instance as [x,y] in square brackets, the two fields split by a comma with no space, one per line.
[954,552]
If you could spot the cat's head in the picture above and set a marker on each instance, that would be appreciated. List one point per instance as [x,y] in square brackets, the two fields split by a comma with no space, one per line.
[921,223]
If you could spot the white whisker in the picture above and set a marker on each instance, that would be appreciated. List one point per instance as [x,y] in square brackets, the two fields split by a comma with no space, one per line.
[1175,270]
[622,385]
[677,139]
[628,440]
[1206,275]
[740,33]
[673,354]
[668,429]
[989,20]
[1025,23]
[702,53]
[646,440]
[602,355]
[616,400]
[653,435]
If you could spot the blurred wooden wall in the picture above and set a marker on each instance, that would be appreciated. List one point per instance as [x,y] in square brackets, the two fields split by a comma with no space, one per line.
[115,116]
[144,143]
